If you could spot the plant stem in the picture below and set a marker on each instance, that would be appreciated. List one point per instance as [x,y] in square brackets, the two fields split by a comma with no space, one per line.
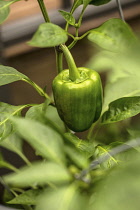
[71,11]
[59,60]
[76,39]
[76,33]
[25,159]
[73,71]
[70,35]
[120,10]
[66,27]
[81,16]
[44,11]
[11,167]
[72,44]
[38,89]
[85,34]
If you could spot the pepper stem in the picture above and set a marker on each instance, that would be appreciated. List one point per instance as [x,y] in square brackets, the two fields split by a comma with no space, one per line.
[73,70]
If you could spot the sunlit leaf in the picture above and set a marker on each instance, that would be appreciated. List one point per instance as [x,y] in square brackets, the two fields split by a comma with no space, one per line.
[65,197]
[101,62]
[45,140]
[77,157]
[104,150]
[82,145]
[5,164]
[122,109]
[122,87]
[48,35]
[120,189]
[15,144]
[6,112]
[113,35]
[9,74]
[39,173]
[4,9]
[12,143]
[47,115]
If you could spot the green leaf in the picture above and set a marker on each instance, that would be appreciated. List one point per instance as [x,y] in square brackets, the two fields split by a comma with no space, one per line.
[122,109]
[118,65]
[104,150]
[128,63]
[110,62]
[99,2]
[4,9]
[7,195]
[9,74]
[122,87]
[5,164]
[100,62]
[126,156]
[82,145]
[6,111]
[28,197]
[47,115]
[65,197]
[134,132]
[36,112]
[79,158]
[46,141]
[68,17]
[124,75]
[113,35]
[13,143]
[51,115]
[48,35]
[86,2]
[38,174]
[120,189]
[76,4]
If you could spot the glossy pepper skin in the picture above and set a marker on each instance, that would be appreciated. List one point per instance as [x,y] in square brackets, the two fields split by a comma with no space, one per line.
[79,102]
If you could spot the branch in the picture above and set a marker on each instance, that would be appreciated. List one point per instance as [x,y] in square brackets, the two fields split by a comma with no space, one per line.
[44,11]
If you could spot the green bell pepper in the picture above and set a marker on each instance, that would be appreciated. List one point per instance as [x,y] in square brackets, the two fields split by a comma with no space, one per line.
[78,96]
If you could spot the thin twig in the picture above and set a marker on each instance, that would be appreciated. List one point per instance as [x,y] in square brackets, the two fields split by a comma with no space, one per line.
[120,10]
[44,11]
[128,145]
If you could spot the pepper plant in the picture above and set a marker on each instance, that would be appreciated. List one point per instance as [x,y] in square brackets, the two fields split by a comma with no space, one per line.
[99,171]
